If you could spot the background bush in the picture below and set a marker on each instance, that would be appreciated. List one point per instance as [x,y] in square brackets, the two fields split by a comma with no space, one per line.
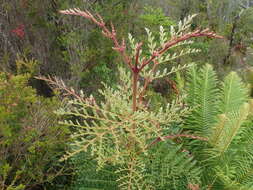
[31,140]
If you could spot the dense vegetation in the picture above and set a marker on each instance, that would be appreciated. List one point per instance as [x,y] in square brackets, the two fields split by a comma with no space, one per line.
[137,94]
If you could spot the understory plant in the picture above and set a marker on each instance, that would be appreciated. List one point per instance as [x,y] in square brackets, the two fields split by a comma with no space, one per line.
[31,140]
[129,144]
[222,115]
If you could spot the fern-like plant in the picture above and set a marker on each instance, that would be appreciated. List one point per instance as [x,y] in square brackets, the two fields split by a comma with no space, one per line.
[220,111]
[121,131]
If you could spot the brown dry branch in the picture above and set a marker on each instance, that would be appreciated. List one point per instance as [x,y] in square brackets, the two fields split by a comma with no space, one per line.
[58,84]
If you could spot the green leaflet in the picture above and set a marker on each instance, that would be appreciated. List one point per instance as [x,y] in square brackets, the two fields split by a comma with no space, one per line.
[203,94]
[219,113]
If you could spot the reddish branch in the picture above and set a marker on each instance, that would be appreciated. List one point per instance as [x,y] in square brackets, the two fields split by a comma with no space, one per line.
[147,82]
[137,67]
[166,47]
[120,47]
[138,49]
[172,42]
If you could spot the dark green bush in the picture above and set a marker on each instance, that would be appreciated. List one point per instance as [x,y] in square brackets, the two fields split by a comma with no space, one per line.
[31,141]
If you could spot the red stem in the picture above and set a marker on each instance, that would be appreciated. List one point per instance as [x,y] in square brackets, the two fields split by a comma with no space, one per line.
[175,41]
[109,34]
[135,80]
[147,81]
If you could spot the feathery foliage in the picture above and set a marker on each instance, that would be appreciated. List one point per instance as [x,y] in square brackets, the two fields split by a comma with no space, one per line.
[108,129]
[202,97]
[87,177]
[220,111]
[121,129]
[171,167]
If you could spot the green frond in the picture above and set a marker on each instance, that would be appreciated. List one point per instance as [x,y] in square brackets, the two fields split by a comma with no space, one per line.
[192,85]
[88,178]
[231,157]
[203,95]
[219,114]
[228,183]
[239,158]
[234,94]
[236,174]
[172,167]
[228,127]
[234,110]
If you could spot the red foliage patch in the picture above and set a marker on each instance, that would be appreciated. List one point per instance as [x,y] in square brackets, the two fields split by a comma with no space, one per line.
[19,31]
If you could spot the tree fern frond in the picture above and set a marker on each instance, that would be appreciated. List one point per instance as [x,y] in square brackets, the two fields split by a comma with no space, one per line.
[229,127]
[221,112]
[234,94]
[192,85]
[87,176]
[240,156]
[235,111]
[203,94]
[171,167]
[230,182]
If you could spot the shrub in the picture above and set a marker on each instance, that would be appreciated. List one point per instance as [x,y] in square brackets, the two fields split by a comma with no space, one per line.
[31,141]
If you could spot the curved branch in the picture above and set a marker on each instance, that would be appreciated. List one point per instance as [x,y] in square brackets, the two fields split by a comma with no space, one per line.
[172,42]
[121,48]
[177,136]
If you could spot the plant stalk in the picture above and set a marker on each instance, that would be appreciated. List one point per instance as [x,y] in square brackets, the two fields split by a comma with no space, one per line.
[135,80]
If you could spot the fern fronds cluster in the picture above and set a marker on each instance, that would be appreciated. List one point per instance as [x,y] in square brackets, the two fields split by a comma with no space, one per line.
[220,111]
[171,167]
[88,177]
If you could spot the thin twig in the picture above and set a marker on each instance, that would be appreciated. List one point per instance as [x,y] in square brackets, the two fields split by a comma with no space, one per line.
[177,136]
[147,82]
[60,85]
[121,48]
[171,43]
[138,48]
